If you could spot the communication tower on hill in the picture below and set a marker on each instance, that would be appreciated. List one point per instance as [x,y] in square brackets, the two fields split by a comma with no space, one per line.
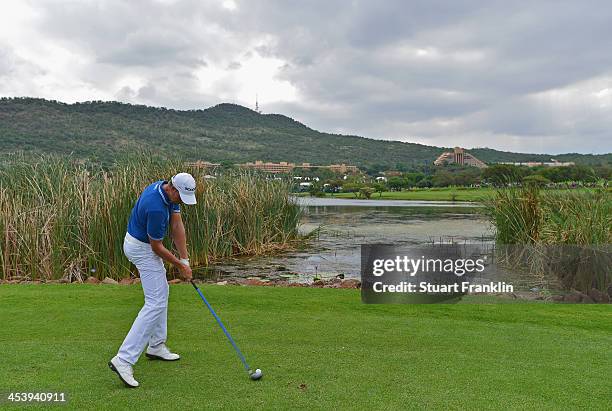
[257,104]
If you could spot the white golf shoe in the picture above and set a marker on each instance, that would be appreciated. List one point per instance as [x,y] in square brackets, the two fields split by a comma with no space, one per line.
[161,352]
[124,371]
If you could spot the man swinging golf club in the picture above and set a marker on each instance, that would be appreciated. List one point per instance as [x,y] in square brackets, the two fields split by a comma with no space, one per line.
[157,207]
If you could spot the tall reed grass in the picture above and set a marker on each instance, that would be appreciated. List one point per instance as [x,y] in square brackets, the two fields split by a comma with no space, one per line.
[567,234]
[529,215]
[61,219]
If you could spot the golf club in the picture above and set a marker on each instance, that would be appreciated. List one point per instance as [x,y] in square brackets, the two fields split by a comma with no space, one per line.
[254,375]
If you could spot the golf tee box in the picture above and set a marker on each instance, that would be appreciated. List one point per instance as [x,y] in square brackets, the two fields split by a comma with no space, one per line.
[450,272]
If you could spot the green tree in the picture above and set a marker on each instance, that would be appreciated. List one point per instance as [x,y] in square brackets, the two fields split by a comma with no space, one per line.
[582,173]
[334,185]
[366,192]
[603,172]
[536,180]
[227,165]
[554,174]
[467,176]
[316,189]
[379,188]
[425,183]
[412,179]
[352,188]
[442,178]
[502,174]
[396,183]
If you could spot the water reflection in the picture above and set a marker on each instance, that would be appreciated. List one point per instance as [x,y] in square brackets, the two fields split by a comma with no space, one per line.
[343,227]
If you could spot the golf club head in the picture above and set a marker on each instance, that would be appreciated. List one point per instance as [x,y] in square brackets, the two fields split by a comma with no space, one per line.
[255,375]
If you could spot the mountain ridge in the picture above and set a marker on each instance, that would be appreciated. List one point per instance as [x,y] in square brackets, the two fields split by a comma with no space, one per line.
[226,131]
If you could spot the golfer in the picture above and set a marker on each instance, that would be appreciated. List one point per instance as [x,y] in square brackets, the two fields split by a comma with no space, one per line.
[157,207]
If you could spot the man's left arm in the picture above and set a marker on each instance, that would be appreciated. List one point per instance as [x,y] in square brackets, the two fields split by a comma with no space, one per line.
[177,231]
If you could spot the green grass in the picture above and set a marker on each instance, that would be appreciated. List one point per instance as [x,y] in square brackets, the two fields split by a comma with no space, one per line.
[436,194]
[346,354]
[444,194]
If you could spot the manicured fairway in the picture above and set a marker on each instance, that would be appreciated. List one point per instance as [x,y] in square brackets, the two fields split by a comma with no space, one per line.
[439,194]
[318,348]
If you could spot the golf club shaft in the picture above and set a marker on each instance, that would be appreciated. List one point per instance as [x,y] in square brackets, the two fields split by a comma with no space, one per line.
[227,334]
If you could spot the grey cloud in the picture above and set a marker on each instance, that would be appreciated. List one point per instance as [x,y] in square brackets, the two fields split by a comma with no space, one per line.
[423,70]
[148,92]
[11,63]
[149,48]
[126,94]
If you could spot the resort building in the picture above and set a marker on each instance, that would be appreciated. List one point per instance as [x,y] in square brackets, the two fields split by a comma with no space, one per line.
[285,167]
[268,167]
[552,163]
[341,168]
[459,156]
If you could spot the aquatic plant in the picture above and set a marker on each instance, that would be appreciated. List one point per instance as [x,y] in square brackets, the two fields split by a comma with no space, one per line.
[60,218]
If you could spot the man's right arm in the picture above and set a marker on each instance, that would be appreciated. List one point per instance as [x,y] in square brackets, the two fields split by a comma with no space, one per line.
[156,228]
[158,248]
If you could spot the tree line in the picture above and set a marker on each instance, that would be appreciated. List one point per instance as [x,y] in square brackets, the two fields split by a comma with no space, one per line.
[496,175]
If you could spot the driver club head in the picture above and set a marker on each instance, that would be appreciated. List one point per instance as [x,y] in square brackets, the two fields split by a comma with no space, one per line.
[255,375]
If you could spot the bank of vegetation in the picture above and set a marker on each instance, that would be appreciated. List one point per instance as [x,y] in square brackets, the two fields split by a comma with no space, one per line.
[64,219]
[567,234]
[422,179]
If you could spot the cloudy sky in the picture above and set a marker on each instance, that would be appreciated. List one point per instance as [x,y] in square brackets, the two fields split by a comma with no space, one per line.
[533,76]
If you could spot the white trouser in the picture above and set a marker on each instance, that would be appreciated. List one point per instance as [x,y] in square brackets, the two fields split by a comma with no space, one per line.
[151,324]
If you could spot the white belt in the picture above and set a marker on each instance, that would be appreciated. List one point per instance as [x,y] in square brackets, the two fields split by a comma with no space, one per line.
[133,240]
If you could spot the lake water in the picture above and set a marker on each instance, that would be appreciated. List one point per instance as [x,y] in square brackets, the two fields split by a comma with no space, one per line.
[345,224]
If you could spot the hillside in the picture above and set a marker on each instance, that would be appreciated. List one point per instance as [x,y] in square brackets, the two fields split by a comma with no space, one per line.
[224,132]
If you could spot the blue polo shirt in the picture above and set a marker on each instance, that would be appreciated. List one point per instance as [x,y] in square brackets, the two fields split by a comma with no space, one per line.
[151,214]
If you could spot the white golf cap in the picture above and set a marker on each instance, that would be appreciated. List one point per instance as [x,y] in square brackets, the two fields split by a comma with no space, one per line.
[186,186]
